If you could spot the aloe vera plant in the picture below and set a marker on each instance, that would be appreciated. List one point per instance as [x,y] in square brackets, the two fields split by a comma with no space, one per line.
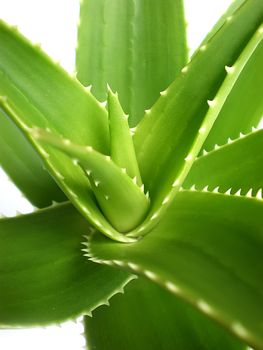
[153,163]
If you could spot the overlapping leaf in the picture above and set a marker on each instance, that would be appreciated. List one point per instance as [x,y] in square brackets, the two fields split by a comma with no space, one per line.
[237,166]
[24,167]
[207,250]
[137,46]
[170,138]
[121,200]
[168,130]
[243,108]
[44,277]
[148,317]
[40,94]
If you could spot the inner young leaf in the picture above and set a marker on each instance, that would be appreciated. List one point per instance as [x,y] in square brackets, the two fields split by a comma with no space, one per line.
[119,197]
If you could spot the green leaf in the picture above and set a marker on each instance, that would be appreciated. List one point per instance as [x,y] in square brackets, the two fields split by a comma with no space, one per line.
[122,201]
[206,250]
[236,166]
[137,46]
[121,143]
[170,145]
[41,94]
[243,108]
[148,317]
[226,16]
[24,167]
[44,276]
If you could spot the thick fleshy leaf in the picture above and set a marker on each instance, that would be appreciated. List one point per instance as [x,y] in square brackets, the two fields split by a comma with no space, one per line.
[44,277]
[121,200]
[226,16]
[121,144]
[137,46]
[148,317]
[207,250]
[236,166]
[24,166]
[165,136]
[243,108]
[39,93]
[175,137]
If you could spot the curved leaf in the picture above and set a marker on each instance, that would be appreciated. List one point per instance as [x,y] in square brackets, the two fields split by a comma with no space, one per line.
[121,143]
[44,277]
[173,147]
[243,108]
[165,136]
[236,166]
[207,250]
[23,165]
[137,46]
[121,200]
[38,93]
[148,317]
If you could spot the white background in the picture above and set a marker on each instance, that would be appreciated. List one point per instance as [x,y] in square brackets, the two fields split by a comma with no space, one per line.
[53,23]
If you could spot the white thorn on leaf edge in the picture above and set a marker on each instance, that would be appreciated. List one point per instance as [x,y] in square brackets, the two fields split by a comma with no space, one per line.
[203,48]
[189,157]
[134,180]
[215,190]
[202,130]
[163,93]
[229,69]
[88,88]
[103,104]
[211,103]
[176,183]
[206,308]
[228,192]
[239,329]
[193,188]
[259,194]
[238,193]
[89,148]
[249,193]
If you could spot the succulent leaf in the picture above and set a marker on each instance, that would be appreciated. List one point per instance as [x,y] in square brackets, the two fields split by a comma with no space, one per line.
[120,198]
[121,143]
[170,180]
[149,317]
[243,108]
[206,250]
[44,276]
[138,47]
[24,166]
[237,165]
[168,130]
[56,99]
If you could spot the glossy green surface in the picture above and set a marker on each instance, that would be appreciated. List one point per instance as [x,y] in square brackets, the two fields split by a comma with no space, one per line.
[44,276]
[25,167]
[208,251]
[204,248]
[124,209]
[121,143]
[148,317]
[237,166]
[138,47]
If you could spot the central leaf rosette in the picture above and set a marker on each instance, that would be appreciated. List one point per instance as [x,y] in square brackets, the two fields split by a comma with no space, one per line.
[114,179]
